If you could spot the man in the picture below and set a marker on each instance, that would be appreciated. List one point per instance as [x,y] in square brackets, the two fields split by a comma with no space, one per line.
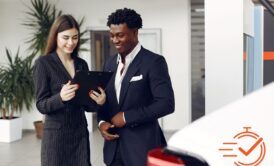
[139,93]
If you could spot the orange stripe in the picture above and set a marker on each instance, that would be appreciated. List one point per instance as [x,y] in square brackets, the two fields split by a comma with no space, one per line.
[244,55]
[268,56]
[225,149]
[230,143]
[231,155]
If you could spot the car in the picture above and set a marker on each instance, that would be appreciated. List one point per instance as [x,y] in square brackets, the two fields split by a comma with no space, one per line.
[240,133]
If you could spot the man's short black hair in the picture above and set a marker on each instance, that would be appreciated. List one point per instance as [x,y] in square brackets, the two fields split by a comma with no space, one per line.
[128,16]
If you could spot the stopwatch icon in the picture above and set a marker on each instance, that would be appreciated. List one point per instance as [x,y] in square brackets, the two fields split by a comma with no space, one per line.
[247,148]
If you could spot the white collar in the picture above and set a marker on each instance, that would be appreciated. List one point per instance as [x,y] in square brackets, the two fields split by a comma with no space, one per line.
[129,57]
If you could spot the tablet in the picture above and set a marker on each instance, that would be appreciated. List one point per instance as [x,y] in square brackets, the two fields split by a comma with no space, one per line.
[87,81]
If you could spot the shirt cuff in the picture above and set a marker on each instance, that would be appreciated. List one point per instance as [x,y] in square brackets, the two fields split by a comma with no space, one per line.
[101,123]
[124,117]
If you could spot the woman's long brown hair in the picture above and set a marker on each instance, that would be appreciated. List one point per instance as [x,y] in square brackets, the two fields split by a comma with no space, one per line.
[61,24]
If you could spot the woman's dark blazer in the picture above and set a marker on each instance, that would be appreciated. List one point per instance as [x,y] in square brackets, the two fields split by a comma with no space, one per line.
[65,140]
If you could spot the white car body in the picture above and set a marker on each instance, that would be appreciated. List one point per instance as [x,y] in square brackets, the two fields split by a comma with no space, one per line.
[206,136]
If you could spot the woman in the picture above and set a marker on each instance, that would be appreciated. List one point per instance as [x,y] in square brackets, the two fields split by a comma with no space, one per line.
[66,139]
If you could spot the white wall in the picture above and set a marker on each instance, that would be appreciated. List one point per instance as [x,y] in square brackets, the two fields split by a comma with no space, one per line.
[223,52]
[249,17]
[13,34]
[173,17]
[224,28]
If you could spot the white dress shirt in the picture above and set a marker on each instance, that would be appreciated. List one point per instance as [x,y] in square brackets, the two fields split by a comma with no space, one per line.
[128,59]
[118,77]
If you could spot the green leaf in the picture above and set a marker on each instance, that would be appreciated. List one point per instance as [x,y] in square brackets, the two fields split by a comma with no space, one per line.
[17,87]
[40,16]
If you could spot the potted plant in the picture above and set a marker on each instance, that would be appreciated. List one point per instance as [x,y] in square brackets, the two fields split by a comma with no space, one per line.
[16,92]
[39,18]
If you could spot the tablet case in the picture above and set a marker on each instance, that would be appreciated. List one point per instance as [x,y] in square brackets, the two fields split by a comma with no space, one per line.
[87,81]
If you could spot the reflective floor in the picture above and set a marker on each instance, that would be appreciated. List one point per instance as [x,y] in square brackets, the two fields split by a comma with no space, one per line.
[26,152]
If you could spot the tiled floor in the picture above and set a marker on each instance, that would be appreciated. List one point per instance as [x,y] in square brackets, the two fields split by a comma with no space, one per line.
[26,152]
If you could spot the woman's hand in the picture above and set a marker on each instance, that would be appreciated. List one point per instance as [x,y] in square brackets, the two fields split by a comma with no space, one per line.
[68,91]
[99,98]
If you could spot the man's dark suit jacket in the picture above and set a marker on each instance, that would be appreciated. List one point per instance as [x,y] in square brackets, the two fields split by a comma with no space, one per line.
[65,139]
[146,95]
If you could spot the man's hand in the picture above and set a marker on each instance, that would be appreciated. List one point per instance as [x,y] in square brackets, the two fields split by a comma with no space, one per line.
[104,127]
[118,120]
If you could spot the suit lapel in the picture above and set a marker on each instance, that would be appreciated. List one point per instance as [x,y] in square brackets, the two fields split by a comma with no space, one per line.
[77,65]
[111,85]
[132,69]
[60,65]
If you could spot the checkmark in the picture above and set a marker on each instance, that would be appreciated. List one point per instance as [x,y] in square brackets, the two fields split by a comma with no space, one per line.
[251,148]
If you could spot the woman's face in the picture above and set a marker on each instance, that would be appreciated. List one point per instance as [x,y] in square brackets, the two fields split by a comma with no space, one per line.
[67,40]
